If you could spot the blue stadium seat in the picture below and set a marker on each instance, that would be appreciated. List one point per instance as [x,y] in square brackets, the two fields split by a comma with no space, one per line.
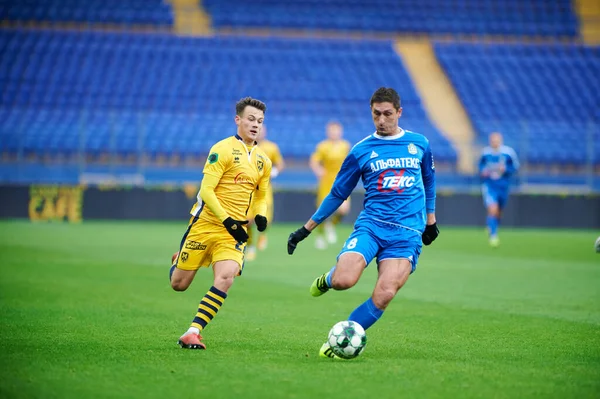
[497,17]
[544,98]
[176,95]
[125,12]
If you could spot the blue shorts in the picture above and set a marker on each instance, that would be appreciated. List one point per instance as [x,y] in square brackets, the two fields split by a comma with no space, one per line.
[494,196]
[379,240]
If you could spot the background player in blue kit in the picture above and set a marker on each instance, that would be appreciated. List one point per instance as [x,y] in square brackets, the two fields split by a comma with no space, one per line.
[398,173]
[497,165]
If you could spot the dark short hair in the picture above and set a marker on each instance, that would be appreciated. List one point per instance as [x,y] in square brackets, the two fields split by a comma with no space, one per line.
[386,95]
[249,101]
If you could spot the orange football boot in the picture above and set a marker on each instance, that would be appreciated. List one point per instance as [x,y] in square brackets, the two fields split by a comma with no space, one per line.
[191,341]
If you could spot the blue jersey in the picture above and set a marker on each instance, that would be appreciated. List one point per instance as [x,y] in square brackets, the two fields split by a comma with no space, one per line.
[398,175]
[497,166]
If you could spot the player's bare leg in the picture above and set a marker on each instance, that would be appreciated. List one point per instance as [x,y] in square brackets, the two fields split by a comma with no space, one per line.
[493,217]
[320,241]
[344,275]
[263,242]
[330,225]
[250,247]
[329,228]
[181,279]
[393,274]
[224,272]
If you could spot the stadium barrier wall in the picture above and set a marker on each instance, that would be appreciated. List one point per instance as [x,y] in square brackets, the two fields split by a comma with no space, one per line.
[77,203]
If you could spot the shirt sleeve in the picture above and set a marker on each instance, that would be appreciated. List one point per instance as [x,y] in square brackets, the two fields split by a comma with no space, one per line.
[217,162]
[482,163]
[428,174]
[215,166]
[208,196]
[260,195]
[345,181]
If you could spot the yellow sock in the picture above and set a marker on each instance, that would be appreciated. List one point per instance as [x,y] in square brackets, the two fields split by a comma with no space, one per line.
[208,308]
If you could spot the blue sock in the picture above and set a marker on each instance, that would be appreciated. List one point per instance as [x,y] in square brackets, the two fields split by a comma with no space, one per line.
[328,278]
[492,223]
[171,272]
[366,314]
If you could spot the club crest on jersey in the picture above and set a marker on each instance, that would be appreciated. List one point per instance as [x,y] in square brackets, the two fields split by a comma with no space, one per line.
[260,165]
[212,158]
[412,149]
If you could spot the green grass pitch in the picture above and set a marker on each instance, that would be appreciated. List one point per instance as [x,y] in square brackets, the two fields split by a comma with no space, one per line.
[86,311]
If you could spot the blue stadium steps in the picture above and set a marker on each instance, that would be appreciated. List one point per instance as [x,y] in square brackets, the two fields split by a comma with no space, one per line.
[161,94]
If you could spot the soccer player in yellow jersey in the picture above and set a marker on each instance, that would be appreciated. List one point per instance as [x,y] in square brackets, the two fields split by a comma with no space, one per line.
[326,162]
[273,153]
[236,170]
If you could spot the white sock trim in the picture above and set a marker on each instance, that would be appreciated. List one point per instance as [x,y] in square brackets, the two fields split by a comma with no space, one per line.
[193,330]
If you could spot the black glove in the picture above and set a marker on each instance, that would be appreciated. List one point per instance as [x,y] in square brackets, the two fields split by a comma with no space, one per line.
[296,237]
[430,234]
[236,229]
[261,222]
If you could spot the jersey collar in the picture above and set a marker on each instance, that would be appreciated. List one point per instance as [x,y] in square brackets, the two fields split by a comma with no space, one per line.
[394,137]
[249,151]
[237,136]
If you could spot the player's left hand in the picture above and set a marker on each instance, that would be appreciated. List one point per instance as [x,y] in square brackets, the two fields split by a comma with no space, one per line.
[296,237]
[261,222]
[430,234]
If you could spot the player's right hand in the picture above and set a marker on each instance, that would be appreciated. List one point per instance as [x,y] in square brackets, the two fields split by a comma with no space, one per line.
[296,237]
[236,229]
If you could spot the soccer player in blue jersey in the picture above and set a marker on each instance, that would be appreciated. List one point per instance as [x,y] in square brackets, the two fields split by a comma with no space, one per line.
[398,174]
[497,165]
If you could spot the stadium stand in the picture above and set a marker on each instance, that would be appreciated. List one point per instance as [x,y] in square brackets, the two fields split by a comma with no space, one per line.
[161,94]
[544,98]
[124,12]
[479,17]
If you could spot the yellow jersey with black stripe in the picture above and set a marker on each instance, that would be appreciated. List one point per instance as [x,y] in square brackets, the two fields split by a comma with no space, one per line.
[272,151]
[240,171]
[331,154]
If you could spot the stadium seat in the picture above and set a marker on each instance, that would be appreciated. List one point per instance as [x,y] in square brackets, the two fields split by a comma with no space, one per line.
[543,98]
[481,17]
[164,94]
[125,12]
